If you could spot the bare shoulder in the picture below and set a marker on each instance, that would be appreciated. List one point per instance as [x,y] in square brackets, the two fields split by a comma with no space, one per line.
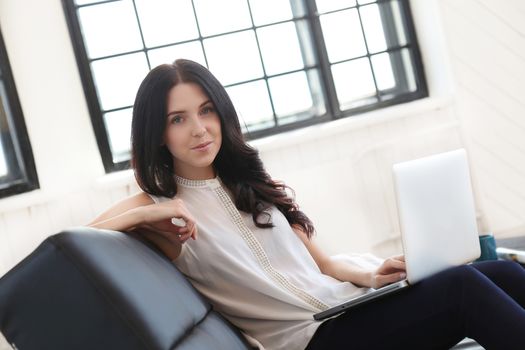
[133,201]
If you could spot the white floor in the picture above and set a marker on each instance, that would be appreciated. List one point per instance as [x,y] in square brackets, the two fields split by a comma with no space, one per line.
[466,344]
[3,343]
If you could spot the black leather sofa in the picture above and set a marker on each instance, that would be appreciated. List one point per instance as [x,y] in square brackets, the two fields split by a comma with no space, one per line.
[96,289]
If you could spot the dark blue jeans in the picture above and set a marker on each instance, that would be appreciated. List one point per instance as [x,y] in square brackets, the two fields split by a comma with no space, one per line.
[484,301]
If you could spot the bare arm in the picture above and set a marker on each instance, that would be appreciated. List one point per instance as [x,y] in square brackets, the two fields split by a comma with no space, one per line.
[153,221]
[124,215]
[390,271]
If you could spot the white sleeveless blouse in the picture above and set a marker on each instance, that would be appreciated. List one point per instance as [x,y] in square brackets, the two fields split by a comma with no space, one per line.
[264,281]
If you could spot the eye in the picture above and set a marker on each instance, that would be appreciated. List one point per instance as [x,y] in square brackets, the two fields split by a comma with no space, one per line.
[207,110]
[176,119]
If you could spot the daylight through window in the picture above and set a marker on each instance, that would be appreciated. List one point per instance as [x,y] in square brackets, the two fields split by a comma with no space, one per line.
[285,63]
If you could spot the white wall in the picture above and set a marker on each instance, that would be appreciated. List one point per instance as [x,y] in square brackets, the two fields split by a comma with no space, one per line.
[487,51]
[340,170]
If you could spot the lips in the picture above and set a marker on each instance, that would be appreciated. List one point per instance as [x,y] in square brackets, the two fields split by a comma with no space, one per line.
[201,145]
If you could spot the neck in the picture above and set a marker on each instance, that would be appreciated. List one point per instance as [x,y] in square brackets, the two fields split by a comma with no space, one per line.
[197,174]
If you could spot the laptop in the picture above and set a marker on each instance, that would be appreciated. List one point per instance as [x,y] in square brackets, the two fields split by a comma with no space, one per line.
[437,219]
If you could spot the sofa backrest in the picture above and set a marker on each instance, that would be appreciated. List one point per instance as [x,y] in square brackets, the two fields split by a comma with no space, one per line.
[96,289]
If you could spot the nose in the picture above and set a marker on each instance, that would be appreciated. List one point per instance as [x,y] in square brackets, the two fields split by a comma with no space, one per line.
[198,128]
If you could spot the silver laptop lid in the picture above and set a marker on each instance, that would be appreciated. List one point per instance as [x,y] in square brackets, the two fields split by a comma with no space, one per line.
[436,213]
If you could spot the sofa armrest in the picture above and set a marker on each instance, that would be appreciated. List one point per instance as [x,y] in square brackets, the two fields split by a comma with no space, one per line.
[87,288]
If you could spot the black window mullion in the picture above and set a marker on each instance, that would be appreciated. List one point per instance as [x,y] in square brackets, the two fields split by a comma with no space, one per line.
[308,52]
[201,39]
[390,31]
[417,62]
[316,65]
[327,80]
[96,3]
[275,120]
[395,48]
[369,58]
[88,83]
[140,32]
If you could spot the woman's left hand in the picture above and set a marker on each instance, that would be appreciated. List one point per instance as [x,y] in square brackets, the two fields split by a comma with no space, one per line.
[391,270]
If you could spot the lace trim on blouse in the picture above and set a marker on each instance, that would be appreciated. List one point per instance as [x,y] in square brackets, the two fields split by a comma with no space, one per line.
[250,239]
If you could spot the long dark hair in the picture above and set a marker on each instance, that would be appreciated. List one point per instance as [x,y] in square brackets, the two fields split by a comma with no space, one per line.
[237,164]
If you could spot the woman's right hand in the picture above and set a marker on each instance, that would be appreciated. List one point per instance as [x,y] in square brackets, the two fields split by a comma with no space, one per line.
[157,218]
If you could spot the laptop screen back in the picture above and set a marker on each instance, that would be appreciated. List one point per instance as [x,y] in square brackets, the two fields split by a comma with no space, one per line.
[436,212]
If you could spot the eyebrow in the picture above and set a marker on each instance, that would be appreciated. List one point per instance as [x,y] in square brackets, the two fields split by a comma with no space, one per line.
[180,112]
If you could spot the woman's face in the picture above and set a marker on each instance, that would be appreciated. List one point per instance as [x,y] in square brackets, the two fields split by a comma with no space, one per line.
[193,131]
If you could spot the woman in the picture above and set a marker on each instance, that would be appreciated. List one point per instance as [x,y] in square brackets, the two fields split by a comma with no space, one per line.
[209,205]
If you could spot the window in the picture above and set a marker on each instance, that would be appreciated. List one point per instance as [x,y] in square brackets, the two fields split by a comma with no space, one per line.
[285,63]
[17,168]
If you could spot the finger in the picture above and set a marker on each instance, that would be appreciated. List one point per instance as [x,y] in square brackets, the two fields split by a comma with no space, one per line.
[184,238]
[189,221]
[192,228]
[395,264]
[383,280]
[181,238]
[193,233]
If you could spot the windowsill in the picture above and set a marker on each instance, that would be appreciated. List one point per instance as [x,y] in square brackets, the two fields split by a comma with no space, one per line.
[41,196]
[117,178]
[23,200]
[343,125]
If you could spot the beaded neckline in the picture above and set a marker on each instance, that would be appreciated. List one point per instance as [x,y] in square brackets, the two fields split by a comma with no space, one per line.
[196,183]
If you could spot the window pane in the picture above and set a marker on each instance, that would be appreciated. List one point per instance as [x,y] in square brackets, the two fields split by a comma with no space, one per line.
[118,79]
[406,58]
[383,71]
[331,5]
[353,81]
[109,28]
[375,36]
[191,51]
[253,105]
[343,36]
[165,21]
[258,49]
[397,36]
[217,17]
[234,57]
[390,83]
[316,90]
[118,125]
[9,152]
[290,94]
[3,165]
[17,169]
[270,11]
[280,48]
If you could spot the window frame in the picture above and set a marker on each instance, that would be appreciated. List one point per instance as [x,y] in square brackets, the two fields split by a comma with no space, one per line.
[322,64]
[22,176]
